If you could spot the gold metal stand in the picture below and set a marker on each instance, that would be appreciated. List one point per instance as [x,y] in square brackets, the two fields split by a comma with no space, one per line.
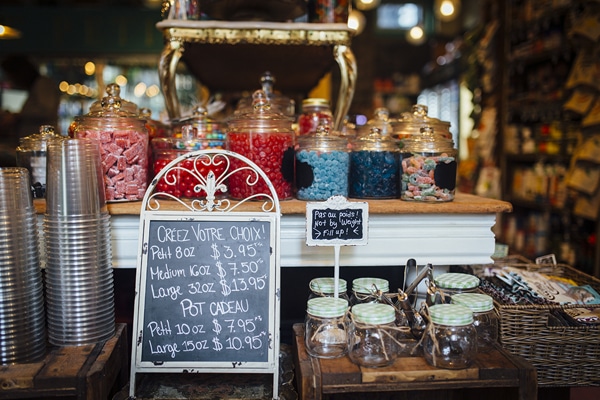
[232,54]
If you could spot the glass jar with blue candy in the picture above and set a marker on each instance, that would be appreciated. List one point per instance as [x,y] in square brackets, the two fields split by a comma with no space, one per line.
[374,166]
[322,165]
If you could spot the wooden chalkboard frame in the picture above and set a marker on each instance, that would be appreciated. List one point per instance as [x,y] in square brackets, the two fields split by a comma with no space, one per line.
[210,168]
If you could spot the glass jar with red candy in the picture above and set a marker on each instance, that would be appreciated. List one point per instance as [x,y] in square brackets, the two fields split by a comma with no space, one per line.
[181,181]
[315,112]
[123,137]
[265,137]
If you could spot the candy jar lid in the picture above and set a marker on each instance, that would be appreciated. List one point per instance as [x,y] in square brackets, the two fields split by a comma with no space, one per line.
[411,123]
[456,280]
[450,315]
[477,302]
[381,120]
[261,117]
[428,141]
[327,307]
[373,313]
[281,103]
[38,141]
[368,285]
[112,105]
[375,140]
[327,285]
[323,139]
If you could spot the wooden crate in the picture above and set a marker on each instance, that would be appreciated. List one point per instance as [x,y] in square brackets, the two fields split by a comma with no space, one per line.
[91,372]
[316,378]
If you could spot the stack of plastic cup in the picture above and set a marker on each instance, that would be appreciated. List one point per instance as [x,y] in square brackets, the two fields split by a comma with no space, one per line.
[79,276]
[22,317]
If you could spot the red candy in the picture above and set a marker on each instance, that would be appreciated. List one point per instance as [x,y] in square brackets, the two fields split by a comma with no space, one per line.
[267,150]
[179,183]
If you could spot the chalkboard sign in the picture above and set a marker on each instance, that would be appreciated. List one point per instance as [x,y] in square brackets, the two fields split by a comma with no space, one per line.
[205,291]
[336,221]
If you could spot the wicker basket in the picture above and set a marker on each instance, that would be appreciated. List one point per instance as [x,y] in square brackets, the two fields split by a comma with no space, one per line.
[562,355]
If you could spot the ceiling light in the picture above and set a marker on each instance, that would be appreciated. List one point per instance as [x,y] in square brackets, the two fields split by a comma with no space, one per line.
[6,32]
[366,4]
[356,21]
[415,35]
[447,10]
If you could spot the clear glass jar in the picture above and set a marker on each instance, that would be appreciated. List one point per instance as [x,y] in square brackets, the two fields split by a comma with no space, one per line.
[485,318]
[267,139]
[429,168]
[368,290]
[326,327]
[450,340]
[124,147]
[315,112]
[371,335]
[322,165]
[448,284]
[381,120]
[325,287]
[374,167]
[213,133]
[279,103]
[31,154]
[182,182]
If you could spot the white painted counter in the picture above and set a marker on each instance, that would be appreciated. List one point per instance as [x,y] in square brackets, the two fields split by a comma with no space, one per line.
[458,232]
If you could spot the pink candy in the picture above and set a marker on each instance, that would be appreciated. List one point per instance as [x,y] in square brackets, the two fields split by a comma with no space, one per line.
[124,156]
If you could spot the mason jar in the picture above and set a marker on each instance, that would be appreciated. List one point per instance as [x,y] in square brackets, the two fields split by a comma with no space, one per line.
[326,324]
[322,165]
[372,335]
[315,112]
[450,340]
[429,168]
[265,137]
[368,290]
[124,144]
[374,167]
[450,283]
[325,287]
[485,318]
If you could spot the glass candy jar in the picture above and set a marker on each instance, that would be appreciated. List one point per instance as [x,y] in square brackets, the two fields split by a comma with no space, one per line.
[201,126]
[31,154]
[322,165]
[374,166]
[368,290]
[485,319]
[410,124]
[450,340]
[371,335]
[182,182]
[267,139]
[123,138]
[325,334]
[325,287]
[429,170]
[315,112]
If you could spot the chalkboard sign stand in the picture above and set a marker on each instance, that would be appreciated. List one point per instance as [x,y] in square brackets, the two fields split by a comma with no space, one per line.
[337,222]
[208,274]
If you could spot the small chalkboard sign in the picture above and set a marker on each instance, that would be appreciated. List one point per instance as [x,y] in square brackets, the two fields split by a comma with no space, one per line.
[337,222]
[205,291]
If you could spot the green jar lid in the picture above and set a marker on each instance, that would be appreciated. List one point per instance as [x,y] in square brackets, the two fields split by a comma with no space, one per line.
[455,280]
[450,314]
[327,307]
[373,313]
[365,285]
[477,302]
[327,285]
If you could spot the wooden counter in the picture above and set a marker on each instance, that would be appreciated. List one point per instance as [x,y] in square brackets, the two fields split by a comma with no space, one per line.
[462,204]
[452,233]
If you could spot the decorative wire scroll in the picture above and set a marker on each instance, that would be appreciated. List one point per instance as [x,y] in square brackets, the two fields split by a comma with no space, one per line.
[208,175]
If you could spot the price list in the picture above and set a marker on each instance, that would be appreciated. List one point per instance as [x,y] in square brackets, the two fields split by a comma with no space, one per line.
[207,291]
